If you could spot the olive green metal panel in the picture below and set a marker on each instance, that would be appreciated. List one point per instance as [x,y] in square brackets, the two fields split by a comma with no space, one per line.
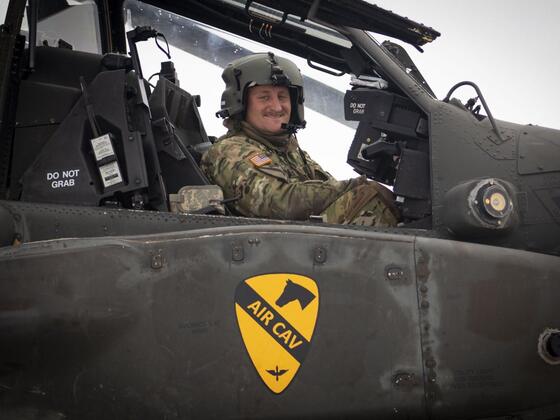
[147,327]
[482,312]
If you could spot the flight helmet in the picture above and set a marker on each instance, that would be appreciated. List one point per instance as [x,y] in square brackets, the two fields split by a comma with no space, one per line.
[261,69]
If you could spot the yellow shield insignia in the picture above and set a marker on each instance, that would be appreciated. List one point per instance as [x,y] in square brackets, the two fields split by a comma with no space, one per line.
[276,314]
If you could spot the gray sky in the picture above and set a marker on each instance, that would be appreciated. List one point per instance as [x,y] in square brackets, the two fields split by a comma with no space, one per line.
[508,48]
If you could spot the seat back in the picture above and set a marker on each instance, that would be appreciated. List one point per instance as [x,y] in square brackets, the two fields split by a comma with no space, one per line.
[179,134]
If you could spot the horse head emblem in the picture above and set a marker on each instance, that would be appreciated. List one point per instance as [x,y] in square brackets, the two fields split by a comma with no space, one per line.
[293,291]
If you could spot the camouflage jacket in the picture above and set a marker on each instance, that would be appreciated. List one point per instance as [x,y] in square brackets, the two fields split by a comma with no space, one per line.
[271,176]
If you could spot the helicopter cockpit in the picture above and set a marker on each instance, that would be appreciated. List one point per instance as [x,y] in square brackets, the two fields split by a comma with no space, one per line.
[112,110]
[79,140]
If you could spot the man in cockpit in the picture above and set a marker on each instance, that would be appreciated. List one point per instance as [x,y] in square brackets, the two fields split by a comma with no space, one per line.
[259,162]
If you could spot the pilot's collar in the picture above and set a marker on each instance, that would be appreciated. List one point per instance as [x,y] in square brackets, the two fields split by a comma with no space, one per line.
[283,142]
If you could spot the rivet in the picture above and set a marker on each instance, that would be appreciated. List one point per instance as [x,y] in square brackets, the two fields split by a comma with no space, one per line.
[425,304]
[424,288]
[431,363]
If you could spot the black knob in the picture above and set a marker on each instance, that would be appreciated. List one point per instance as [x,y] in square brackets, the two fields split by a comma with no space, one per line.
[553,344]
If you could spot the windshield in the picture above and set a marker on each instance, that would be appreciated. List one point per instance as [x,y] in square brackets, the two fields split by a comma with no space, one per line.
[67,24]
[3,10]
[200,52]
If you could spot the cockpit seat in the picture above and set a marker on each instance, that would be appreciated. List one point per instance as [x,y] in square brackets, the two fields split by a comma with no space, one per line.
[179,135]
[47,94]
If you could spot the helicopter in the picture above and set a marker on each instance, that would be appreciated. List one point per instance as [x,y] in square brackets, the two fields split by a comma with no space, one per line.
[124,294]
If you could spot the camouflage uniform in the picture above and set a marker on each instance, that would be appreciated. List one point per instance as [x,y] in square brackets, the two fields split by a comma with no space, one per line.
[273,178]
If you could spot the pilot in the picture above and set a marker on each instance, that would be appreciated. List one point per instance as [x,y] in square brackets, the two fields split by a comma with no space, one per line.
[259,163]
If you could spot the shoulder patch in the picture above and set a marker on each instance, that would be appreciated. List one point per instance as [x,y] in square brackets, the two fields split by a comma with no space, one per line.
[260,159]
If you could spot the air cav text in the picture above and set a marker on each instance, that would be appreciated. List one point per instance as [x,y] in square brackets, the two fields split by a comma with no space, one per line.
[279,329]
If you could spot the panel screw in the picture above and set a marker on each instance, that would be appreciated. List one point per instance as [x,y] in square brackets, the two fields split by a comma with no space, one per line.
[157,261]
[320,255]
[394,273]
[237,253]
[404,380]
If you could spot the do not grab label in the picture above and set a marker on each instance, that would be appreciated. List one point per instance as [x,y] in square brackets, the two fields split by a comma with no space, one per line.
[63,179]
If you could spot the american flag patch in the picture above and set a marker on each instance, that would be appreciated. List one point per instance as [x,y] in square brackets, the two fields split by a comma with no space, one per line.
[260,159]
